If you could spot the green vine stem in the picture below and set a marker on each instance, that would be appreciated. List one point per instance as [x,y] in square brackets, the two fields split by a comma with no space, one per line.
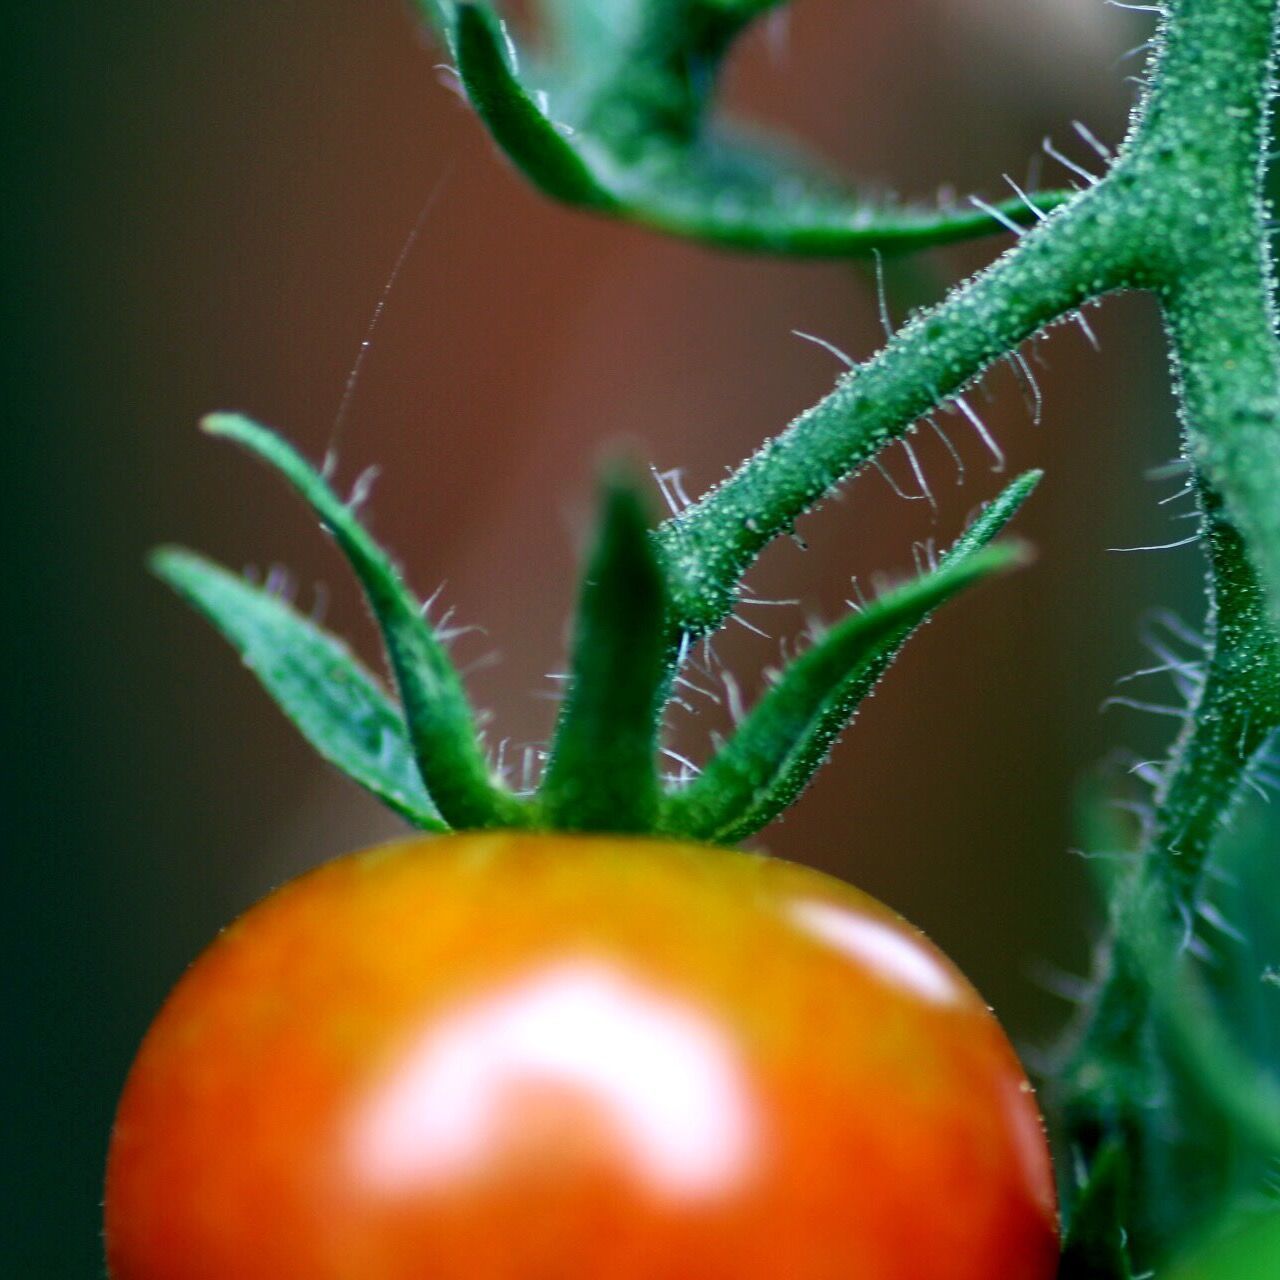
[1114,1083]
[616,118]
[1062,263]
[1180,212]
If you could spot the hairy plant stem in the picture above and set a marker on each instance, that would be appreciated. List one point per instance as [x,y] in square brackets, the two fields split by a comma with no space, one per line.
[1200,155]
[1180,212]
[1068,259]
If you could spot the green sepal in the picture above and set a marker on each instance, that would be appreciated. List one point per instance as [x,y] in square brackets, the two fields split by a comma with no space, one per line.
[339,708]
[787,736]
[441,724]
[629,138]
[530,139]
[602,771]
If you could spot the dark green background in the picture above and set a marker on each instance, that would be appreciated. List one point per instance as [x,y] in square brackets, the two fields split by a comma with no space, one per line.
[202,205]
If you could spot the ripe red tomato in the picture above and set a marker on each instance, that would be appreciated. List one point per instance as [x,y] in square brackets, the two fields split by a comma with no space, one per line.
[541,1057]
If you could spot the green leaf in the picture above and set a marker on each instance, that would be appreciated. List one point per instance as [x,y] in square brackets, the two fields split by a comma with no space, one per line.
[630,85]
[602,773]
[329,696]
[440,720]
[789,733]
[518,124]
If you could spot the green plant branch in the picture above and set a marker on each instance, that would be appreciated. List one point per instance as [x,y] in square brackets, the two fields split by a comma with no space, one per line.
[1234,717]
[1198,162]
[1065,261]
[617,119]
[1115,1073]
[1204,150]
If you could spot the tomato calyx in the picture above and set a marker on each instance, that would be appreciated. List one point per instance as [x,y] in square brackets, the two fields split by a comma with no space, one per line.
[422,753]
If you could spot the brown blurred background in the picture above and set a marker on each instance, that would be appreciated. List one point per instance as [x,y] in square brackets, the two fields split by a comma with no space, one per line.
[206,201]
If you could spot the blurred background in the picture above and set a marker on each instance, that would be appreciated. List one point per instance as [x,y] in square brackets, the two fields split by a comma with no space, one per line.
[205,204]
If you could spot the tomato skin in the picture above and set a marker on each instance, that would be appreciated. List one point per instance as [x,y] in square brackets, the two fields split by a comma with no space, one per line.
[543,1057]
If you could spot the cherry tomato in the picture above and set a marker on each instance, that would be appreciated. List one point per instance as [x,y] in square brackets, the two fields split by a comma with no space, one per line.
[546,1057]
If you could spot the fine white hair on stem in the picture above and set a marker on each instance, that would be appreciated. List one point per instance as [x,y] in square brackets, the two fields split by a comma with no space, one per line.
[671,483]
[1067,163]
[1031,392]
[1144,47]
[528,762]
[1216,920]
[844,358]
[710,694]
[1086,328]
[1136,704]
[1185,491]
[918,472]
[951,449]
[483,663]
[682,652]
[750,626]
[733,699]
[1150,772]
[363,487]
[984,435]
[660,479]
[1162,546]
[992,212]
[1036,210]
[893,484]
[1170,470]
[882,299]
[424,609]
[691,769]
[1176,627]
[1091,139]
[1189,671]
[859,602]
[446,635]
[450,79]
